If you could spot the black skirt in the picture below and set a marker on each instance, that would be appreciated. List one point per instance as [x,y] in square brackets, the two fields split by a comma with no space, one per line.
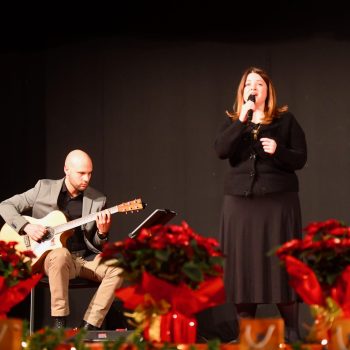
[250,228]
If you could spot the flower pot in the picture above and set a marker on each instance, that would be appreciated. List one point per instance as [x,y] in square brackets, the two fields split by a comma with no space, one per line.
[261,333]
[10,334]
[340,334]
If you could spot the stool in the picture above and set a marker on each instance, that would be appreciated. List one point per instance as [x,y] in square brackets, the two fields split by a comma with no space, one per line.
[77,282]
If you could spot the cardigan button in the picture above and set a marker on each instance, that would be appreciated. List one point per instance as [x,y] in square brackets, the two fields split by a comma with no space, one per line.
[252,156]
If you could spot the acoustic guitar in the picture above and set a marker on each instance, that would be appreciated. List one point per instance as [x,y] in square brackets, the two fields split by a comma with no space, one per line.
[58,230]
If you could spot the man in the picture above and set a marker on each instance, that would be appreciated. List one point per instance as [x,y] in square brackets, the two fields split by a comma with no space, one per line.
[73,196]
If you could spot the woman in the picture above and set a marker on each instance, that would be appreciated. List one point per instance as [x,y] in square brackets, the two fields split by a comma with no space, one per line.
[264,145]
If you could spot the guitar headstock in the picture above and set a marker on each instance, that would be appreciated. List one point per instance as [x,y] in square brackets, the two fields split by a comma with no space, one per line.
[134,205]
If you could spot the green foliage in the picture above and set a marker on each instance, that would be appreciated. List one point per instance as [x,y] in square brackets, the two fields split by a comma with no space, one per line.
[46,338]
[49,338]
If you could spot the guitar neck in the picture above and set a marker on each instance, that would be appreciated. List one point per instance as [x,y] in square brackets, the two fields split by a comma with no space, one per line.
[81,221]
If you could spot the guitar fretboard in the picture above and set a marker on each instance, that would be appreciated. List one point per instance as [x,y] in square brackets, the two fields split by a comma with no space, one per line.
[81,221]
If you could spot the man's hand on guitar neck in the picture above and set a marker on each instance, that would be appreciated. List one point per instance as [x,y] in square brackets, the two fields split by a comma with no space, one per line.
[103,222]
[35,232]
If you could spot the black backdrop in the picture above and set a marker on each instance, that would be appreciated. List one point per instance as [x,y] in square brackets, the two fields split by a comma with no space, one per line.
[144,94]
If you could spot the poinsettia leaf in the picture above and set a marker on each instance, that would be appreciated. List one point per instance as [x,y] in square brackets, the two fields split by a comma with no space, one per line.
[216,260]
[330,278]
[162,255]
[192,271]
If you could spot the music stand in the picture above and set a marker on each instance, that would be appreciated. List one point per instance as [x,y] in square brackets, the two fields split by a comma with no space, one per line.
[158,217]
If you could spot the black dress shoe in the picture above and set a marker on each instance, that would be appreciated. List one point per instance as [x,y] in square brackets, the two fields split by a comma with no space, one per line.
[89,327]
[60,322]
[292,336]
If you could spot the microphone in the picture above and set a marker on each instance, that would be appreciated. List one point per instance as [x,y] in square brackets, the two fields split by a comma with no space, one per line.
[250,112]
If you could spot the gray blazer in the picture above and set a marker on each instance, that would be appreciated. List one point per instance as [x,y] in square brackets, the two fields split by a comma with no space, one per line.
[42,199]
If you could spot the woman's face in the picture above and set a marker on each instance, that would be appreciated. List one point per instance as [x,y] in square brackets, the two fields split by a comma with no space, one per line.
[255,85]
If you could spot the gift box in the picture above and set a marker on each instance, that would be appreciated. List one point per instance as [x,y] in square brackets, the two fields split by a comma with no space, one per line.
[10,334]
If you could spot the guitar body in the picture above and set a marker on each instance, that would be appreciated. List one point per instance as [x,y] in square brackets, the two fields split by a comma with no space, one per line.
[42,248]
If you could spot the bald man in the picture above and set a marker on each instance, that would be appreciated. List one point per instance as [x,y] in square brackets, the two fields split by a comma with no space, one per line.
[79,258]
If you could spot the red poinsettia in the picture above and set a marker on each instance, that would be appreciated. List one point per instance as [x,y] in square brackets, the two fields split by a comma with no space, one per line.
[174,273]
[319,271]
[16,279]
[325,249]
[319,264]
[173,253]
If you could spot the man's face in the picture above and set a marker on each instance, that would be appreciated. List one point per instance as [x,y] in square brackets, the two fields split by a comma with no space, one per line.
[78,174]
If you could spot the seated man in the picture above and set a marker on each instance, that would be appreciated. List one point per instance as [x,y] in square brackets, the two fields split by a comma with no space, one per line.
[73,196]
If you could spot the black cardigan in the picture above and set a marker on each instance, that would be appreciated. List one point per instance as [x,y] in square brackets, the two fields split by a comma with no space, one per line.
[253,171]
